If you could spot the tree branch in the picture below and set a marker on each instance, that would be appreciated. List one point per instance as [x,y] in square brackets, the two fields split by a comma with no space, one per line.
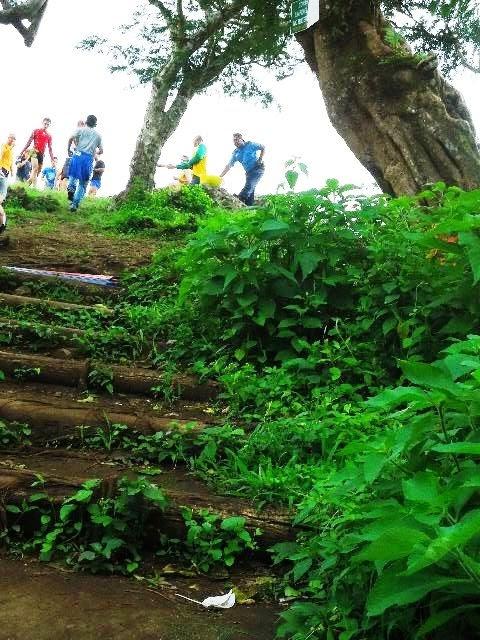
[165,11]
[33,11]
[214,22]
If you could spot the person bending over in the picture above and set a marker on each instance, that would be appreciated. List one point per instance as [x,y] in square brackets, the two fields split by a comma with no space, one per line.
[197,163]
[24,167]
[246,154]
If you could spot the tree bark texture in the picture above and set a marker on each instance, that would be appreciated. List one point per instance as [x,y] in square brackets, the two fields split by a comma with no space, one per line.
[16,15]
[404,122]
[158,125]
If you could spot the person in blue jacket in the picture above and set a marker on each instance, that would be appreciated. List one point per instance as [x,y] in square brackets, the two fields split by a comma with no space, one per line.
[247,153]
[49,174]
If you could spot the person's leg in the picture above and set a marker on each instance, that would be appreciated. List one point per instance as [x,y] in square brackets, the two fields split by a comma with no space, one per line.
[79,193]
[3,194]
[71,187]
[34,173]
[253,178]
[247,194]
[195,180]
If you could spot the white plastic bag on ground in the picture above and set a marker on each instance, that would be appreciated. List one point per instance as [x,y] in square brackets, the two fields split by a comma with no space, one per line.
[226,601]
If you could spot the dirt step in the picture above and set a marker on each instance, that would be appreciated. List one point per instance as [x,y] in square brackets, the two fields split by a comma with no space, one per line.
[10,300]
[75,373]
[64,473]
[42,603]
[56,412]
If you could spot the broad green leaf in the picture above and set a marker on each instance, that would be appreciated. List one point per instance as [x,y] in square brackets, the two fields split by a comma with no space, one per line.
[466,448]
[426,375]
[391,398]
[272,229]
[440,618]
[457,535]
[66,510]
[472,242]
[393,544]
[301,568]
[395,590]
[372,466]
[308,261]
[292,178]
[423,487]
[233,523]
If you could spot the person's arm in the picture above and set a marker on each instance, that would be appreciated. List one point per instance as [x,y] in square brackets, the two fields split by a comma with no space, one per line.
[200,154]
[100,146]
[233,159]
[261,148]
[50,148]
[30,140]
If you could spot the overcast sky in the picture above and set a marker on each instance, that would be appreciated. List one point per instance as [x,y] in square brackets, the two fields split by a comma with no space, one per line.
[54,79]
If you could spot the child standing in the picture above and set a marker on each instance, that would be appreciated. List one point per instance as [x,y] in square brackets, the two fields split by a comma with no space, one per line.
[6,170]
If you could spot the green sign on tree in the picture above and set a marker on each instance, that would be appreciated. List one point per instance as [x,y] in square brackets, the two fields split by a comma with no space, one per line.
[304,14]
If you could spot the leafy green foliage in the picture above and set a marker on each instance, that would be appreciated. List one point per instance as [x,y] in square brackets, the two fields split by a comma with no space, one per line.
[89,532]
[404,513]
[14,434]
[212,541]
[161,211]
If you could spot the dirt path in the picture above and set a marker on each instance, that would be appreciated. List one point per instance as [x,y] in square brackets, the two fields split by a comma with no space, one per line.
[65,246]
[38,602]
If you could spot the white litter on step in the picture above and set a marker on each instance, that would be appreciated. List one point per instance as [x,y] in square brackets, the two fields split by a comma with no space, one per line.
[220,602]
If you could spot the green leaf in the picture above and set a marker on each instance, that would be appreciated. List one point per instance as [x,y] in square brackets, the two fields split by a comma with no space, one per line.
[373,465]
[12,508]
[233,523]
[442,617]
[66,510]
[301,568]
[272,229]
[393,544]
[423,487]
[395,590]
[472,243]
[426,375]
[292,178]
[466,448]
[391,398]
[308,261]
[457,535]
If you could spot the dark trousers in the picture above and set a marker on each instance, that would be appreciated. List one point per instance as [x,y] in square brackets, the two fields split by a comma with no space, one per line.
[247,194]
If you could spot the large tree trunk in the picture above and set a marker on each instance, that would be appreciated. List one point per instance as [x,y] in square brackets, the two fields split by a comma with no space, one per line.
[158,126]
[402,120]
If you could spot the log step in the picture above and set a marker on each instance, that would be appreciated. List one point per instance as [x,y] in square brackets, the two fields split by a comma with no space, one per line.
[64,473]
[10,300]
[75,373]
[59,413]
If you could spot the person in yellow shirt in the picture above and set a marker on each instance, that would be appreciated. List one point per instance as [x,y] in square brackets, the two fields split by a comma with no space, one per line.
[197,163]
[6,170]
